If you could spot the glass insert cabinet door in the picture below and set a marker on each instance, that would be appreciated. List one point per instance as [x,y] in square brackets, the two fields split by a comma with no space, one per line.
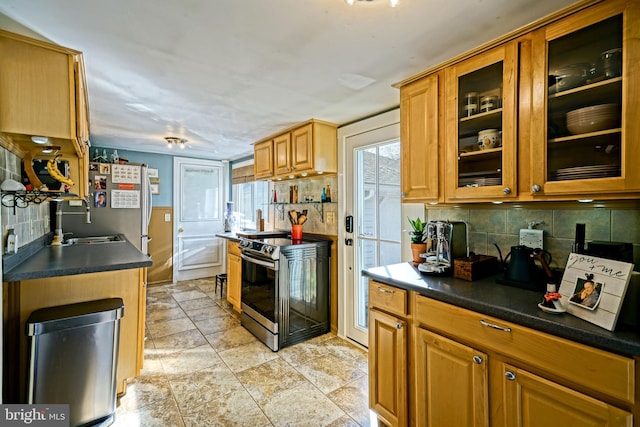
[481,117]
[586,143]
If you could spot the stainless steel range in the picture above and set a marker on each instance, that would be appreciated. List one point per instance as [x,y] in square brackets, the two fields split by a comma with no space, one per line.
[285,289]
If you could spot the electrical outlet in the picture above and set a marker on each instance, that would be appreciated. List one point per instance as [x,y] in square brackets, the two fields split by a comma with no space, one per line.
[331,217]
[531,238]
[167,217]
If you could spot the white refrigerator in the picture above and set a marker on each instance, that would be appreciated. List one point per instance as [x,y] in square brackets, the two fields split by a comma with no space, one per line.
[119,202]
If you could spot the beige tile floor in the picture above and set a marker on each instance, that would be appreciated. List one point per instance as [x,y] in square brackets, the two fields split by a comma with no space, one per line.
[202,368]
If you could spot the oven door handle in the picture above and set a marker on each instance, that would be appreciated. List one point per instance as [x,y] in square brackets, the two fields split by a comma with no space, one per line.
[270,265]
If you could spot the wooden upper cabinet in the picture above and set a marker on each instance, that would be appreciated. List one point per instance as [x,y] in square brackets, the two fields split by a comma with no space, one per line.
[585,68]
[263,160]
[420,139]
[282,154]
[44,93]
[38,88]
[481,113]
[307,149]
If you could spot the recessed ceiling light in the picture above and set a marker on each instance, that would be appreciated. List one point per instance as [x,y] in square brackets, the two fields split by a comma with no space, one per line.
[40,140]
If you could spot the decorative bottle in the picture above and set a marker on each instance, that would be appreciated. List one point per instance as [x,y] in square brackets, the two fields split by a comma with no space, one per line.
[323,197]
[328,198]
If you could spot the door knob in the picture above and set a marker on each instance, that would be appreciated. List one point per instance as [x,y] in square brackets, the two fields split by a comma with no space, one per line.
[536,188]
[477,359]
[510,375]
[180,230]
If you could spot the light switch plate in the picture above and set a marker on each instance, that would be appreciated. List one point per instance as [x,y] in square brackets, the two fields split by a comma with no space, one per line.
[331,217]
[531,238]
[75,202]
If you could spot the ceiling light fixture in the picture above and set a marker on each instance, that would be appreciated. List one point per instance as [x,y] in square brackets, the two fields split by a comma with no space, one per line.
[41,140]
[393,3]
[173,140]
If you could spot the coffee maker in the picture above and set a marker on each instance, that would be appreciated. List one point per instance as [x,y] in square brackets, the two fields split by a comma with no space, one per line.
[446,240]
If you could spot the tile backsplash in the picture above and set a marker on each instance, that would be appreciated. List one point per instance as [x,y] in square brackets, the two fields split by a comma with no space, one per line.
[29,223]
[318,214]
[501,225]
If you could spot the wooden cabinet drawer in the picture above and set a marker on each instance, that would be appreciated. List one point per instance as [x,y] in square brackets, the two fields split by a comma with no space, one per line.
[577,363]
[232,248]
[388,298]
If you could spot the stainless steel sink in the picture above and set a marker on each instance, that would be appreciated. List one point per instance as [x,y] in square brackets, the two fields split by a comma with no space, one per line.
[94,240]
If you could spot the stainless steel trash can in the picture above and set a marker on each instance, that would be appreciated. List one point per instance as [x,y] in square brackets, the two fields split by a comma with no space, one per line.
[73,353]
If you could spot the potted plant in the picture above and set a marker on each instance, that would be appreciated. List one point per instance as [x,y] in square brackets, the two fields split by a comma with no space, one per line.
[417,233]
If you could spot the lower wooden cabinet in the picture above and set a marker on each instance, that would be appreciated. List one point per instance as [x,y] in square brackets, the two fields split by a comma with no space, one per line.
[530,400]
[234,274]
[388,367]
[23,297]
[438,365]
[451,382]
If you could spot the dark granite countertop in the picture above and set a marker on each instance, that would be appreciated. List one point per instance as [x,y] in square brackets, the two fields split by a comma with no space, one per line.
[508,303]
[49,261]
[229,235]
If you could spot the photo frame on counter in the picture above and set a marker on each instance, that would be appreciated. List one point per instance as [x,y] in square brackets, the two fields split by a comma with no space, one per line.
[593,288]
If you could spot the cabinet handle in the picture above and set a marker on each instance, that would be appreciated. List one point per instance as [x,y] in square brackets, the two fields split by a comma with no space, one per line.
[386,291]
[491,325]
[477,359]
[399,325]
[506,190]
[510,376]
[536,188]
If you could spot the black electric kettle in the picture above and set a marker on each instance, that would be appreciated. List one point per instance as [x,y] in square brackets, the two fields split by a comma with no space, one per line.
[520,268]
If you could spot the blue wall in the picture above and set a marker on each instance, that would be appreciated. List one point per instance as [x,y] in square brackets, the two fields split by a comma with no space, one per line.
[162,162]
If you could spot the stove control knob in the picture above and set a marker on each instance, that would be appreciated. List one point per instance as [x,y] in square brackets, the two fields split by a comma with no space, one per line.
[268,249]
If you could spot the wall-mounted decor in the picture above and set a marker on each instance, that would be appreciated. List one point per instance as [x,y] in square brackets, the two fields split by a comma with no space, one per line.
[593,288]
[152,172]
[155,188]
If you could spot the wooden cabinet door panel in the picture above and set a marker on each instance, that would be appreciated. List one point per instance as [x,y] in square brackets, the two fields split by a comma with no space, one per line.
[263,160]
[481,164]
[532,401]
[234,280]
[555,150]
[420,139]
[37,90]
[451,383]
[282,154]
[302,148]
[388,367]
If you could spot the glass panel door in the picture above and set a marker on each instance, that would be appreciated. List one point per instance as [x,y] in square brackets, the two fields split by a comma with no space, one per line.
[377,198]
[584,103]
[480,127]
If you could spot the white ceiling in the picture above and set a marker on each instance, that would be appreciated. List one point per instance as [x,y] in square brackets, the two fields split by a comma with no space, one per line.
[225,73]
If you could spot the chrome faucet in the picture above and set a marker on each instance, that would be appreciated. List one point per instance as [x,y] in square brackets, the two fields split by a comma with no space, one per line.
[87,203]
[58,237]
